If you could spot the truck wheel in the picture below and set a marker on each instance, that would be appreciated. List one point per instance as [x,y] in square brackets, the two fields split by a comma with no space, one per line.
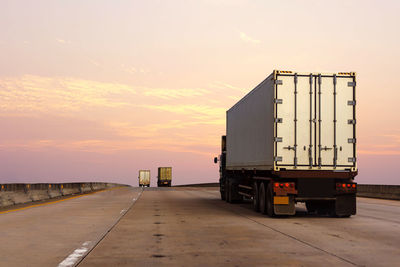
[311,208]
[229,193]
[223,197]
[262,198]
[270,201]
[226,190]
[222,189]
[256,200]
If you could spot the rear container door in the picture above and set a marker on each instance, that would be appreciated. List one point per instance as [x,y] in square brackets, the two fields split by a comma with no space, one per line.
[315,121]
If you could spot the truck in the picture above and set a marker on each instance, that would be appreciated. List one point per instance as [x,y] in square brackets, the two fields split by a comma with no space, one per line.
[292,139]
[164,177]
[144,178]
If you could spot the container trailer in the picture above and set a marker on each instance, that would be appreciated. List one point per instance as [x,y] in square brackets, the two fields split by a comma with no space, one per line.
[144,178]
[164,177]
[293,139]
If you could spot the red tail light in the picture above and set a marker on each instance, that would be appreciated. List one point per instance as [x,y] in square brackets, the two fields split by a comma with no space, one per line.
[285,188]
[348,185]
[344,185]
[354,185]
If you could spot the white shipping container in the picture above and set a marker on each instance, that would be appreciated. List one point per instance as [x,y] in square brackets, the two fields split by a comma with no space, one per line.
[294,121]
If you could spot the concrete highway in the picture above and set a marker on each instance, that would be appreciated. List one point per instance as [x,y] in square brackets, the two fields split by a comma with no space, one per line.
[193,227]
[46,235]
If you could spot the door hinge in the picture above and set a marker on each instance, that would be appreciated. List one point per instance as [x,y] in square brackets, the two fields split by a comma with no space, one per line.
[278,101]
[278,82]
[351,84]
[351,122]
[277,159]
[278,139]
[351,140]
[278,120]
[351,160]
[289,147]
[351,102]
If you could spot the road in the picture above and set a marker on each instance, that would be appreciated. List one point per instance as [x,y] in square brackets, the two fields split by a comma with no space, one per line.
[46,235]
[193,227]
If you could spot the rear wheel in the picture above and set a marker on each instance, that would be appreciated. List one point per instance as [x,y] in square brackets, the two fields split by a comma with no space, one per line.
[229,189]
[256,200]
[261,197]
[226,191]
[223,197]
[311,207]
[270,201]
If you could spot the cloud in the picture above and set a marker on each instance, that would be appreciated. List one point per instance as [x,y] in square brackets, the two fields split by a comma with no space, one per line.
[70,114]
[192,110]
[248,39]
[128,69]
[175,93]
[42,94]
[223,85]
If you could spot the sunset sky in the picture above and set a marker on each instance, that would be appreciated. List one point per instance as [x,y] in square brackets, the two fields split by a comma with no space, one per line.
[96,90]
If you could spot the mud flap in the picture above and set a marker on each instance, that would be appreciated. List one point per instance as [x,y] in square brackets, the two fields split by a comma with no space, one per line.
[288,209]
[345,205]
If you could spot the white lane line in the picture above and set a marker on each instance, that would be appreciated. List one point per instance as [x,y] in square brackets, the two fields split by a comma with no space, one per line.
[75,256]
[122,211]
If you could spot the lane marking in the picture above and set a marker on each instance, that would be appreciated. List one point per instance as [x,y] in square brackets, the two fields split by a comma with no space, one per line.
[122,211]
[75,256]
[106,233]
[57,201]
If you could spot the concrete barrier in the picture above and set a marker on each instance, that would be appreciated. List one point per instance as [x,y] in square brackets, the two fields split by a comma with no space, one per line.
[199,185]
[379,191]
[12,194]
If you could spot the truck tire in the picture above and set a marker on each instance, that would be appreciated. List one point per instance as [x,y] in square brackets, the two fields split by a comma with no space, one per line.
[256,200]
[262,198]
[223,196]
[311,207]
[270,201]
[226,190]
[222,189]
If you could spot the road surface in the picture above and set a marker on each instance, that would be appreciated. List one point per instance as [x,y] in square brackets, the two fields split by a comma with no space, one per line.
[193,227]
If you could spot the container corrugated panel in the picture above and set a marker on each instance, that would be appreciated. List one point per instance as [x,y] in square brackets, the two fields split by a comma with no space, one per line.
[295,121]
[165,173]
[144,177]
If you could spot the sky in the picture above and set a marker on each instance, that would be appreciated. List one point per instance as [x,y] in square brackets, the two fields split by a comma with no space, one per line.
[96,90]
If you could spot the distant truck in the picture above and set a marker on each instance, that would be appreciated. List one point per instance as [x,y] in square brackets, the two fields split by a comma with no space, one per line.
[293,139]
[164,176]
[144,178]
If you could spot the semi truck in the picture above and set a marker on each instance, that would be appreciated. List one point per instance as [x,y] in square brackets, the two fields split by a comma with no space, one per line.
[292,139]
[164,177]
[144,178]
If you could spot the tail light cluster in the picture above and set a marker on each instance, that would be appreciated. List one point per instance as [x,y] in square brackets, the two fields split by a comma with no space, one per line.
[284,188]
[346,187]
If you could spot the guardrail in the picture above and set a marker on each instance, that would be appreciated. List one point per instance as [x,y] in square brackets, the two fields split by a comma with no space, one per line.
[12,194]
[379,191]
